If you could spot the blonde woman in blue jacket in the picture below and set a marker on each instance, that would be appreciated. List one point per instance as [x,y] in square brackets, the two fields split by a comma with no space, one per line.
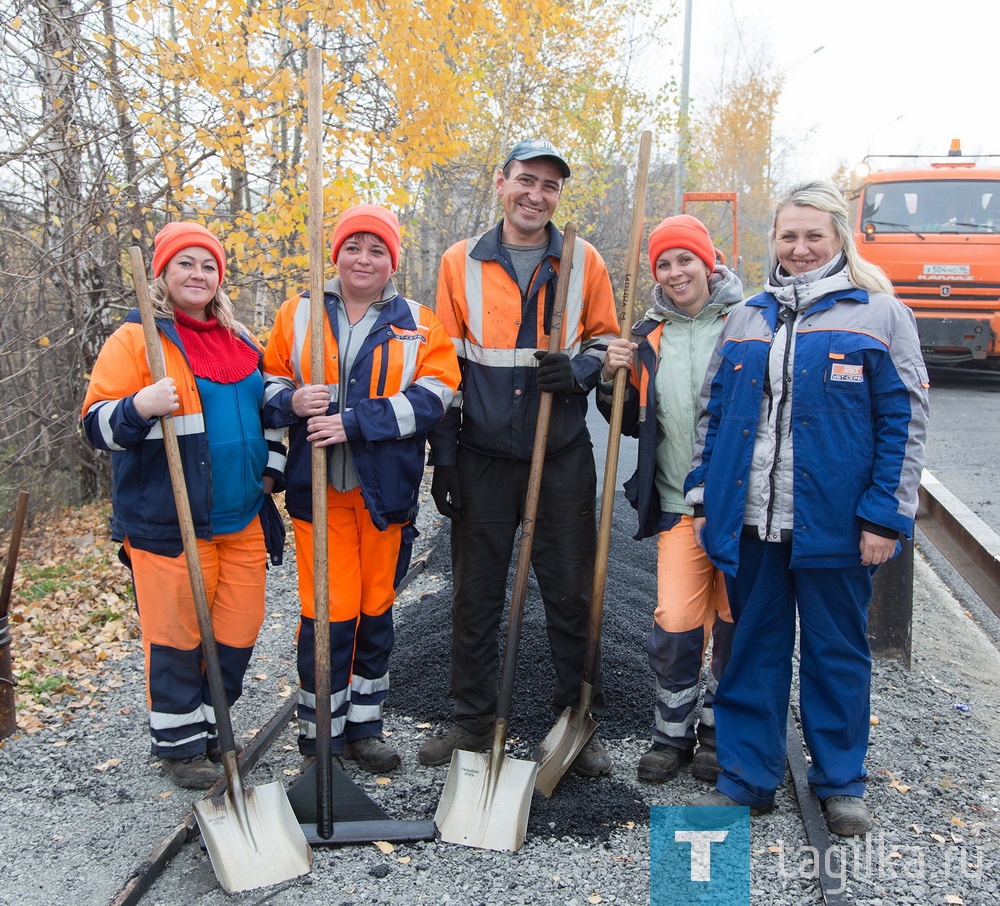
[669,354]
[808,461]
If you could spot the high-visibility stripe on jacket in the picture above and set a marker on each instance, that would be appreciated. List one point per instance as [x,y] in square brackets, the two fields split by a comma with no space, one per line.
[401,384]
[143,503]
[497,330]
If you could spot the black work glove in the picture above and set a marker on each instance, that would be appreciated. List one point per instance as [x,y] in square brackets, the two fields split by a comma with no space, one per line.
[555,373]
[446,491]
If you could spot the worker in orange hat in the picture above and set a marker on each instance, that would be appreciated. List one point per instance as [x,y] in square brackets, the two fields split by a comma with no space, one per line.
[666,357]
[214,390]
[390,375]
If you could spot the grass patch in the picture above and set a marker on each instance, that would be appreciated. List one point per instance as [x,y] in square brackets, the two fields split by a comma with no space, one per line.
[104,615]
[42,581]
[37,685]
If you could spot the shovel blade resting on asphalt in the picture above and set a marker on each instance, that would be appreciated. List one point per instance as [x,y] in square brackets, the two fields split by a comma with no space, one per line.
[560,748]
[254,839]
[486,801]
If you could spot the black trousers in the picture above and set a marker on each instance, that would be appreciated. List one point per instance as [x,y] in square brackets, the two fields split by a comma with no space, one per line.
[562,557]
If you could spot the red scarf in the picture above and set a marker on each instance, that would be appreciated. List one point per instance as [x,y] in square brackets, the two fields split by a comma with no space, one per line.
[214,352]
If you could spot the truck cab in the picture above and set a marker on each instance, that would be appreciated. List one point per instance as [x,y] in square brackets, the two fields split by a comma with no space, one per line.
[935,231]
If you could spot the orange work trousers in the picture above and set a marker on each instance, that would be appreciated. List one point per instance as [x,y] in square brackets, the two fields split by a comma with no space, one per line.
[691,606]
[363,567]
[181,716]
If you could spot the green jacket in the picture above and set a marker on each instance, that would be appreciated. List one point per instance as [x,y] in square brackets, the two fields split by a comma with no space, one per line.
[665,381]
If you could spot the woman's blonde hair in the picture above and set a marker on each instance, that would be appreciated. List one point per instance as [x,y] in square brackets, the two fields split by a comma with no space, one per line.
[825,196]
[221,307]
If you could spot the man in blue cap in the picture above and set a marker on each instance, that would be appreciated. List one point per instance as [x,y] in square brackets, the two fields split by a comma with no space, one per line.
[495,297]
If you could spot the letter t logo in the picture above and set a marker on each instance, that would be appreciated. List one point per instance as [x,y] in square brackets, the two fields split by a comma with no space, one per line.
[701,850]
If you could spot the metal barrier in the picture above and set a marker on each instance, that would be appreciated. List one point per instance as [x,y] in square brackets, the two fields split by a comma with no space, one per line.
[967,542]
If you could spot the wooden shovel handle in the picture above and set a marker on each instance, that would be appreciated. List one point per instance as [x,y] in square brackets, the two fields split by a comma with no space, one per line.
[625,317]
[505,694]
[320,527]
[20,511]
[213,671]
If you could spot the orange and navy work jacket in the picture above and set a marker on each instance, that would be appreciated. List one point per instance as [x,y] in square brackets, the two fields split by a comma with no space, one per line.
[497,330]
[401,384]
[143,508]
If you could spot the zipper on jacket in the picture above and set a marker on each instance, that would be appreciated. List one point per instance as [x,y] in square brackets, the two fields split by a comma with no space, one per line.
[787,317]
[342,394]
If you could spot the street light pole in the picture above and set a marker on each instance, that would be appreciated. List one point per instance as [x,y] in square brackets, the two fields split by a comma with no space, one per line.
[683,136]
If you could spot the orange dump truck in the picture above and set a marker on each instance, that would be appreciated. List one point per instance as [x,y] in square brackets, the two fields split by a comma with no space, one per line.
[935,230]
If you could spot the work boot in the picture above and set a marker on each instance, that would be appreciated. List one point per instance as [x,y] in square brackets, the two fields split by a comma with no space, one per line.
[661,763]
[593,761]
[438,749]
[374,754]
[718,799]
[705,765]
[194,773]
[847,816]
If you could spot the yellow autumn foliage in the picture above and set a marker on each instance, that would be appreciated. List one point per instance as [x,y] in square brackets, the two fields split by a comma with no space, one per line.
[410,91]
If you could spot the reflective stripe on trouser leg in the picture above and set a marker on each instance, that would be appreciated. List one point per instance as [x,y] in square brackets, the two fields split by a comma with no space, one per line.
[722,646]
[341,640]
[181,717]
[363,566]
[751,703]
[370,679]
[691,598]
[676,661]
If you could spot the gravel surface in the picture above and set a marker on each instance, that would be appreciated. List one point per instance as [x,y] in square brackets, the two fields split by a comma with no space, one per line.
[84,805]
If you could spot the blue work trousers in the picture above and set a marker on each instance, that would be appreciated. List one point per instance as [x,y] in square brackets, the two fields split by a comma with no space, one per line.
[751,703]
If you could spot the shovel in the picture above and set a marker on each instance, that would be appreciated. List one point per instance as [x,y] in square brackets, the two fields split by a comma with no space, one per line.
[571,733]
[251,835]
[487,798]
[312,799]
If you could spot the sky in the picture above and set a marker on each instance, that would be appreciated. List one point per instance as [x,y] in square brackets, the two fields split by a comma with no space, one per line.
[893,77]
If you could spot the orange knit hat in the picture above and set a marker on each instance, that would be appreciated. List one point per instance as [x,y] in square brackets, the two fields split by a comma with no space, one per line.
[368,218]
[181,235]
[682,231]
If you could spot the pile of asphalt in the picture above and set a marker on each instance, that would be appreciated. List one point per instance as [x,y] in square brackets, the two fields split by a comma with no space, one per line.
[83,805]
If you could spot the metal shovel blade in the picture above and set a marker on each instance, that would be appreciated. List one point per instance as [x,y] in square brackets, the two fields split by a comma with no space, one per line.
[560,748]
[486,801]
[253,839]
